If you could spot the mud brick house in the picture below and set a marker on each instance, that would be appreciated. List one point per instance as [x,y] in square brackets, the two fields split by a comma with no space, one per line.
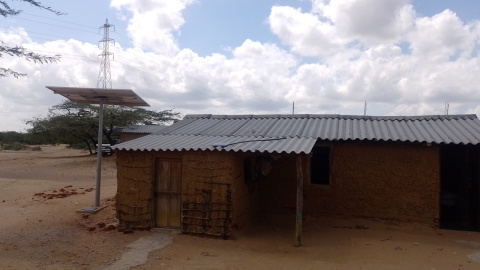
[211,174]
[136,131]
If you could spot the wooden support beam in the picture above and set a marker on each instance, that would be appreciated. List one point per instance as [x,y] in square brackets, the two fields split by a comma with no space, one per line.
[299,213]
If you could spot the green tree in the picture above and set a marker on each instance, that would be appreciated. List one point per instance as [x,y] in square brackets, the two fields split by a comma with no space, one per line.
[19,51]
[70,122]
[11,136]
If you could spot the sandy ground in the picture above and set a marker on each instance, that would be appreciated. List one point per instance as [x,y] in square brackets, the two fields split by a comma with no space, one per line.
[40,228]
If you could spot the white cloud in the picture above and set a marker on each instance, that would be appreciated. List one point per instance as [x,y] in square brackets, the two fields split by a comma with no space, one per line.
[367,20]
[304,32]
[255,78]
[335,25]
[441,37]
[333,59]
[152,22]
[380,51]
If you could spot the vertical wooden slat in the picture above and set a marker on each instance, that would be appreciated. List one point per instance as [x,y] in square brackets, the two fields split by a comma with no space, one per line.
[175,195]
[161,215]
[175,176]
[164,183]
[175,212]
[299,212]
[168,193]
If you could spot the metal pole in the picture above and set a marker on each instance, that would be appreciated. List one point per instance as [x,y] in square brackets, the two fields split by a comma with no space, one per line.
[99,156]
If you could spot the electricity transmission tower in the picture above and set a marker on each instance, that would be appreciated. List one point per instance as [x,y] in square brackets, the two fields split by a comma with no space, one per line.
[104,75]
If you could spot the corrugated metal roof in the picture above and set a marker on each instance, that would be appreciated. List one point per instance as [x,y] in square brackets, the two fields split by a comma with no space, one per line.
[199,132]
[146,129]
[236,144]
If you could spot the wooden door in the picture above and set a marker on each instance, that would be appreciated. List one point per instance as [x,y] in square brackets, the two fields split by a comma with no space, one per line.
[168,187]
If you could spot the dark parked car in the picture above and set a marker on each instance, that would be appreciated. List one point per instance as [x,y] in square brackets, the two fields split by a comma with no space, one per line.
[106,149]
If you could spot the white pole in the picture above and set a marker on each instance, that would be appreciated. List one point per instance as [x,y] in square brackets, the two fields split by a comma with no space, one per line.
[99,156]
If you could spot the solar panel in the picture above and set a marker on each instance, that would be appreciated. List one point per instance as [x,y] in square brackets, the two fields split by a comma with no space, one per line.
[124,97]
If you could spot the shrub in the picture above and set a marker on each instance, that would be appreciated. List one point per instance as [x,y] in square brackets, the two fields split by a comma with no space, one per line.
[18,147]
[14,146]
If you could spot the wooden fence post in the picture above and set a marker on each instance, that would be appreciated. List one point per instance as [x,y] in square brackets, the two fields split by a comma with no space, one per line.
[299,212]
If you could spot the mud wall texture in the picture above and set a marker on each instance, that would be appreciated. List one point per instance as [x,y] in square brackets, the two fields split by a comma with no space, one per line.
[207,193]
[215,197]
[124,137]
[395,181]
[134,199]
[379,180]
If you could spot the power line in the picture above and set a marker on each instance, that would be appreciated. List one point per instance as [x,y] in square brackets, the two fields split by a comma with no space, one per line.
[56,25]
[38,34]
[170,77]
[87,26]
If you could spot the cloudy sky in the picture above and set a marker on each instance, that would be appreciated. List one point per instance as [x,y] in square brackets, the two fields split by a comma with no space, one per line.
[401,57]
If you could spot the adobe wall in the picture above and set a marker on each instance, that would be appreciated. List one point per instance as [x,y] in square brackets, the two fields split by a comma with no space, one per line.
[380,180]
[220,176]
[213,187]
[124,137]
[134,199]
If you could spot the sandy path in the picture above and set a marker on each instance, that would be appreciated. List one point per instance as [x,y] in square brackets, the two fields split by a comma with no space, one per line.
[327,244]
[41,233]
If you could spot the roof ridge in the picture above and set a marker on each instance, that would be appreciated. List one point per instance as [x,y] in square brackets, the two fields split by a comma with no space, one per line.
[335,116]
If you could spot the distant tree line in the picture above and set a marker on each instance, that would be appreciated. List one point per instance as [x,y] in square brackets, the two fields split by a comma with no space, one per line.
[13,136]
[76,124]
[12,140]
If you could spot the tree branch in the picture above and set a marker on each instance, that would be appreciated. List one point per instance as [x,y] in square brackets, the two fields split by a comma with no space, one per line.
[6,72]
[6,10]
[30,56]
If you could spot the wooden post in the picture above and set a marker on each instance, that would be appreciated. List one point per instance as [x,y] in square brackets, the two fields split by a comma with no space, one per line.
[299,214]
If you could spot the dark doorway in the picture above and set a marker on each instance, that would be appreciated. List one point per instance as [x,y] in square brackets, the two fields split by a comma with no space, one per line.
[460,190]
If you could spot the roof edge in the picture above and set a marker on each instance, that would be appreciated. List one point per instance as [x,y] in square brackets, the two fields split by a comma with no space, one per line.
[332,116]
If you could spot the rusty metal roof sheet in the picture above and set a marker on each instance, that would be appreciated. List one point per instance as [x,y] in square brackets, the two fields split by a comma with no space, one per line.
[297,133]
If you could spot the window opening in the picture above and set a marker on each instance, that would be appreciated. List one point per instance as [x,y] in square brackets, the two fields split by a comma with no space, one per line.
[320,166]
